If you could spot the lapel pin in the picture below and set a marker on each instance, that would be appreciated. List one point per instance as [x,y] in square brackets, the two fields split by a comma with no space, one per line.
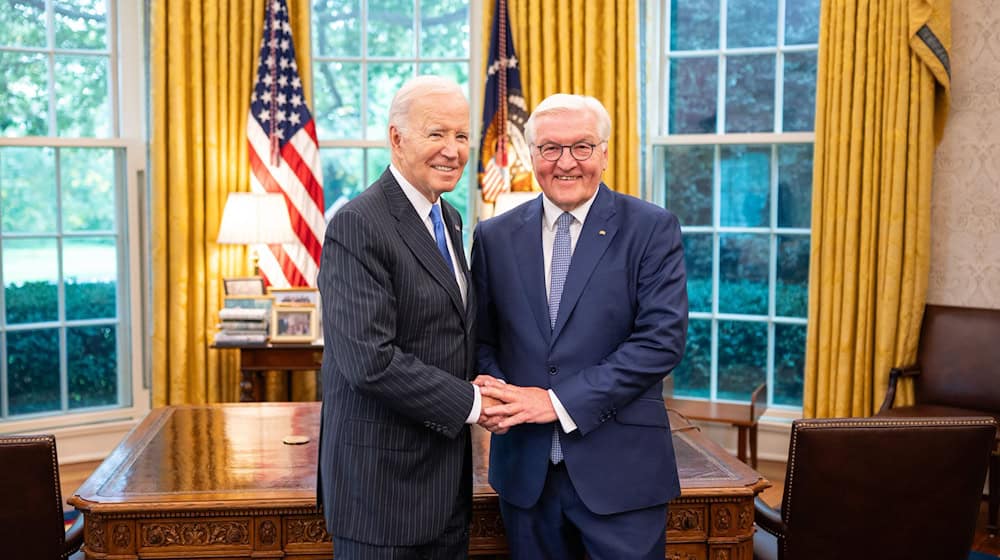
[602,232]
[456,228]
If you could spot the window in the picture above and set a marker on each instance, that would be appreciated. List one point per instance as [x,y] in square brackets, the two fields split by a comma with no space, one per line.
[730,99]
[363,51]
[71,151]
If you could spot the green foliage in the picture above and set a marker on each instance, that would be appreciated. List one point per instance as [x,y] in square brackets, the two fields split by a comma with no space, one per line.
[742,349]
[33,371]
[82,87]
[30,302]
[33,356]
[92,366]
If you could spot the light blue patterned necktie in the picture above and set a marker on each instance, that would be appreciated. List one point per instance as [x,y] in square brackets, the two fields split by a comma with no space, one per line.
[442,243]
[561,255]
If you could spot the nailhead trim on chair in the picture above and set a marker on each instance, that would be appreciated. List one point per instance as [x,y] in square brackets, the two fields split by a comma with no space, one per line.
[786,505]
[15,440]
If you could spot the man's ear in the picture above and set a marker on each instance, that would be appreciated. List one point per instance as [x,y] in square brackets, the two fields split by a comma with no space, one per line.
[394,136]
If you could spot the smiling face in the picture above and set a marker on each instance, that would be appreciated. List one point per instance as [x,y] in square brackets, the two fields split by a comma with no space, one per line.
[430,147]
[567,182]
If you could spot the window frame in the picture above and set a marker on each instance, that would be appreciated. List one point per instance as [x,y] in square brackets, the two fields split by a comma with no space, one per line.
[128,54]
[655,135]
[364,143]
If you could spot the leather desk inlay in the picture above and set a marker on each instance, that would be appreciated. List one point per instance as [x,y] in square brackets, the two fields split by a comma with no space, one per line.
[216,480]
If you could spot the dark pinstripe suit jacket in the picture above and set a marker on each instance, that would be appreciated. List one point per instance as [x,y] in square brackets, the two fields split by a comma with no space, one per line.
[399,348]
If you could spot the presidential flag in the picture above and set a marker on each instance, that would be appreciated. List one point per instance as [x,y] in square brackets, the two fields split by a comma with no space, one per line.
[504,158]
[284,154]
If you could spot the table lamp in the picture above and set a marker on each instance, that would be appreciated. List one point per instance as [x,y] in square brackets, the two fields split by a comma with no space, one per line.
[253,219]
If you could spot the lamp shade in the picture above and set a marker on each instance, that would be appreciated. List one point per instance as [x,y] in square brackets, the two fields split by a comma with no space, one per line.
[251,218]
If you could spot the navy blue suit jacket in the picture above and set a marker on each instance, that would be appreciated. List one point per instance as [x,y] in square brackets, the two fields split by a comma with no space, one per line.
[621,328]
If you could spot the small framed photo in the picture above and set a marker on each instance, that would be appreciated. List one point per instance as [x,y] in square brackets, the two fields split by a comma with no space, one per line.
[248,302]
[250,286]
[293,323]
[295,296]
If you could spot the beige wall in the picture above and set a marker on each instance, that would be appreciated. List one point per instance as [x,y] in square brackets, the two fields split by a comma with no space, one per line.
[965,209]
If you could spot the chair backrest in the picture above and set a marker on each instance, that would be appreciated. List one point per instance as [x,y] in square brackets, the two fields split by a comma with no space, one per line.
[31,521]
[898,488]
[959,358]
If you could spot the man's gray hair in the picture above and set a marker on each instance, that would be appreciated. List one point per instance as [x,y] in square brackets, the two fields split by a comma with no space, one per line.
[566,102]
[412,90]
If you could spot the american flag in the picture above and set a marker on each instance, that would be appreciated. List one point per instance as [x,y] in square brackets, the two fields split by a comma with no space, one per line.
[284,153]
[504,157]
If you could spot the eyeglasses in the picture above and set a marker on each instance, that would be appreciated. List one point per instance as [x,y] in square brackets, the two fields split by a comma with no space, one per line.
[581,151]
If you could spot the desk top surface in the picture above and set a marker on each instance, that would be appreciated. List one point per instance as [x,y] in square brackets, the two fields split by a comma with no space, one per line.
[232,453]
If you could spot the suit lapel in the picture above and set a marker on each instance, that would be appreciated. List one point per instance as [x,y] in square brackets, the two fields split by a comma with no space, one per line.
[452,222]
[414,234]
[527,237]
[595,237]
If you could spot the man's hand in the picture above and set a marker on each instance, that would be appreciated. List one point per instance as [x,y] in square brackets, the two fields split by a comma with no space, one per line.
[486,380]
[491,423]
[519,405]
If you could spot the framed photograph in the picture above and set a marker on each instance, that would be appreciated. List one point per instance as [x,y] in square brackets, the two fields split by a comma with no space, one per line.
[250,286]
[248,302]
[295,296]
[293,323]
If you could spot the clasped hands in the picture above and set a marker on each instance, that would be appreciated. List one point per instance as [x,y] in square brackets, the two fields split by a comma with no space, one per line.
[506,405]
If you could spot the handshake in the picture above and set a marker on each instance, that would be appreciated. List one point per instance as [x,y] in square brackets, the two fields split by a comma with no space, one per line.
[506,405]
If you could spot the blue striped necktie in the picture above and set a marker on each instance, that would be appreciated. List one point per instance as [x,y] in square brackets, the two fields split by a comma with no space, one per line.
[442,242]
[561,255]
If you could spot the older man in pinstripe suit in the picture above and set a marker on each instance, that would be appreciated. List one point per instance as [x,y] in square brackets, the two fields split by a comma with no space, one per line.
[398,310]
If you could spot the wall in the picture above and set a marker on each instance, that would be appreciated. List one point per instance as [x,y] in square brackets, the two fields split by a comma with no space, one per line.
[965,207]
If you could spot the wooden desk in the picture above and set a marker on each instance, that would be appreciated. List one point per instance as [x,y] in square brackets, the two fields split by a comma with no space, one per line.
[215,481]
[744,417]
[255,360]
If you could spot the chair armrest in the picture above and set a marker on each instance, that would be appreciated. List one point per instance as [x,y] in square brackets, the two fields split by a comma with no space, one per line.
[912,370]
[74,537]
[768,518]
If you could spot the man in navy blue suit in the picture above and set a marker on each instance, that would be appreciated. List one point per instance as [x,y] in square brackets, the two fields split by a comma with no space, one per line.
[582,311]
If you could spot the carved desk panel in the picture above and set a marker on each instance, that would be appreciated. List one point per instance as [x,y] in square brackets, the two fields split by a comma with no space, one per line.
[216,481]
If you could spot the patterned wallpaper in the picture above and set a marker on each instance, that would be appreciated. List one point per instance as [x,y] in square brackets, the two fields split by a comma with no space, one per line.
[965,207]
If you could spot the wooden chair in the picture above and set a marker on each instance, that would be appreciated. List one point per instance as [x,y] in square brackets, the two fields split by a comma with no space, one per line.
[743,416]
[885,488]
[957,374]
[31,523]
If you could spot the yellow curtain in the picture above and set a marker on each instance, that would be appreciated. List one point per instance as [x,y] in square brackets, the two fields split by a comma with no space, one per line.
[583,47]
[203,58]
[881,101]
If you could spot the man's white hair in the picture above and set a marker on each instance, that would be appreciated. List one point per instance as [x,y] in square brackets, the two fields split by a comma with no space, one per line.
[414,89]
[564,103]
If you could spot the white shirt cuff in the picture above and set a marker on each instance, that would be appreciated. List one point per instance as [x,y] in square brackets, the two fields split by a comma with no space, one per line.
[567,423]
[477,406]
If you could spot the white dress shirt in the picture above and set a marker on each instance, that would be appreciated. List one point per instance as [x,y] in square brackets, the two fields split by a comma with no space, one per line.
[550,213]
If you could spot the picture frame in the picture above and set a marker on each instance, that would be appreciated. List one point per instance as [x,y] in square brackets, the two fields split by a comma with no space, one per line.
[248,286]
[248,302]
[293,323]
[295,296]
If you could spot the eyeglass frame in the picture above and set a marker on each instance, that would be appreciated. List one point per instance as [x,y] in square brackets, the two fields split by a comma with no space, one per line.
[563,147]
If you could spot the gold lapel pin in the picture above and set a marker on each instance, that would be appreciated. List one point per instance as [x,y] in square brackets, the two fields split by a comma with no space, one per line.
[602,232]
